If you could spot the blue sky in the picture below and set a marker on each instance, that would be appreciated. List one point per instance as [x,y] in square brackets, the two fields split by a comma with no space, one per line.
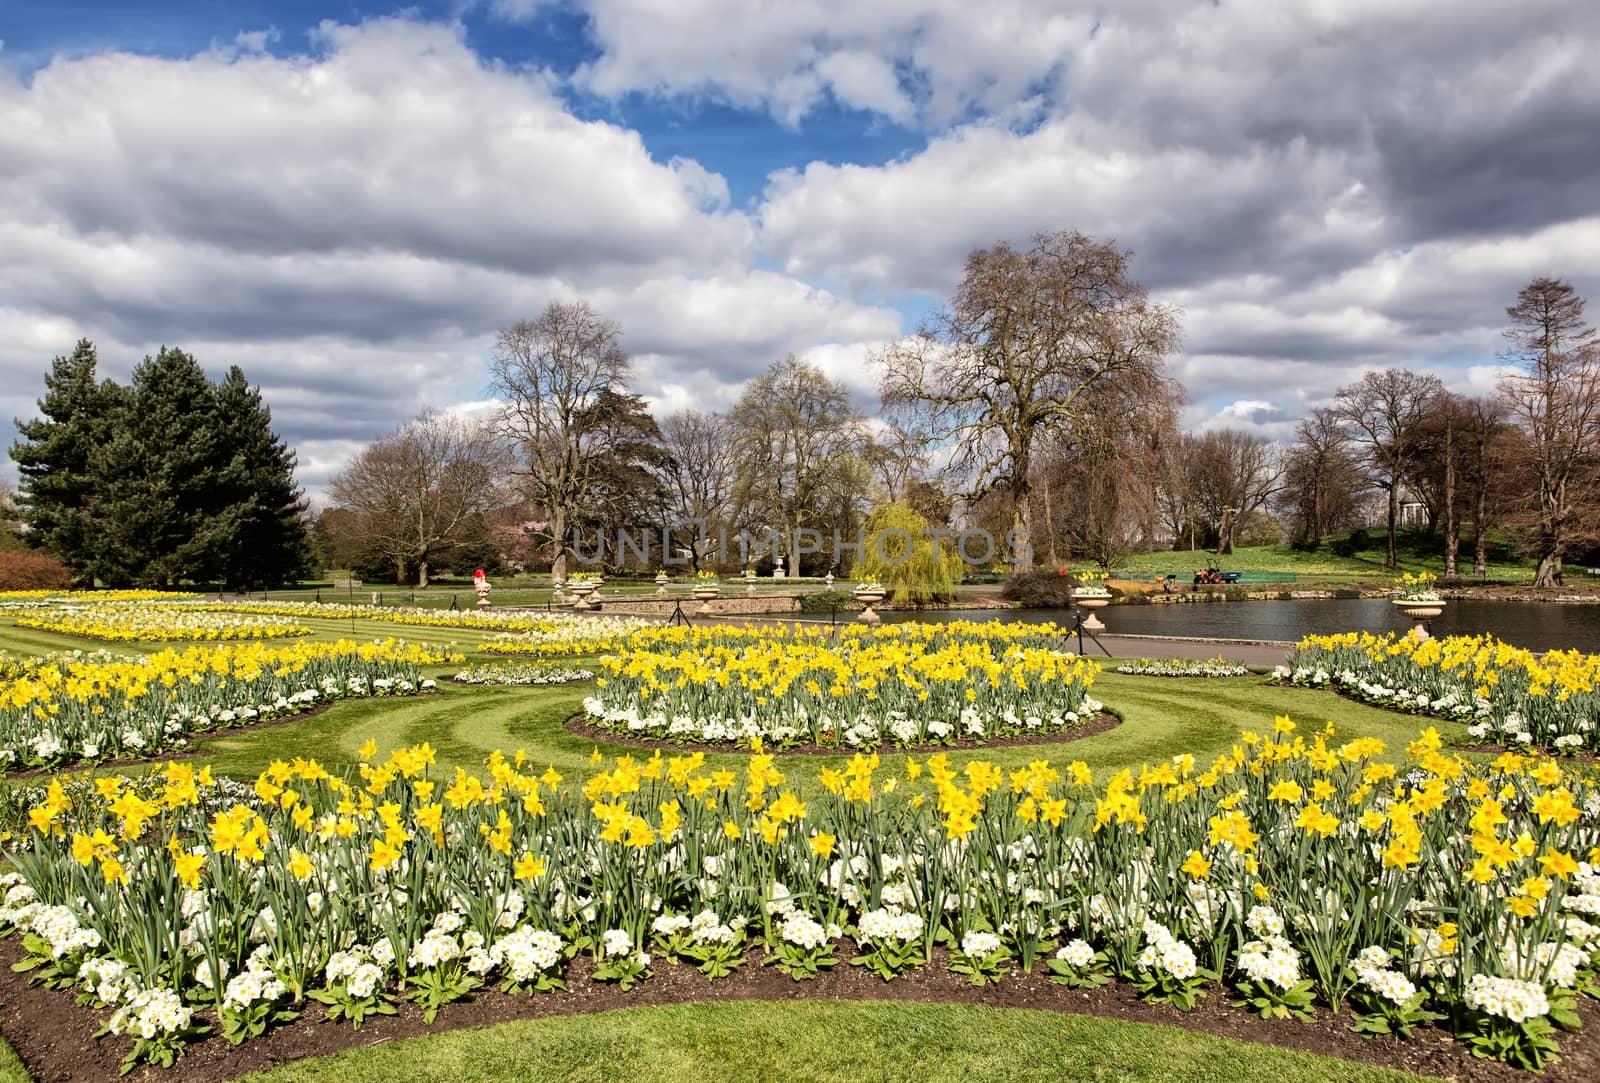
[348,199]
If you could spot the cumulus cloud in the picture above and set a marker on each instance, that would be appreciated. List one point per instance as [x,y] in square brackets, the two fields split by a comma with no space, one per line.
[351,224]
[1322,188]
[912,61]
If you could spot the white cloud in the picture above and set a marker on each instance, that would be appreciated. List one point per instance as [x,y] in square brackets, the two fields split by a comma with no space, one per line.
[351,225]
[906,60]
[1323,188]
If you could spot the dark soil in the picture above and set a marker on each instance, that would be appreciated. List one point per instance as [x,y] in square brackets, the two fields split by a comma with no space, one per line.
[580,725]
[55,1037]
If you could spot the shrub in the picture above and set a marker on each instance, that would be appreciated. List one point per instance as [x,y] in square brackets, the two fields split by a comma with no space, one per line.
[23,570]
[1046,589]
[826,601]
[1351,544]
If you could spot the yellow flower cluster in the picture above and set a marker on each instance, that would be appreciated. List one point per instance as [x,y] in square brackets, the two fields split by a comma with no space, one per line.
[98,705]
[156,623]
[83,597]
[907,685]
[1445,868]
[1511,694]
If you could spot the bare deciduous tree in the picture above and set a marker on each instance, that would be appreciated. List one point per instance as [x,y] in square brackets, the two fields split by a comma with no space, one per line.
[1109,469]
[1028,336]
[703,475]
[1384,411]
[1322,480]
[1484,456]
[898,455]
[551,372]
[798,440]
[1232,474]
[1555,401]
[414,493]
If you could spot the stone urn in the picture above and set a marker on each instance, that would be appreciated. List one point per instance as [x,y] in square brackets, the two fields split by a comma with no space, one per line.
[1419,611]
[703,593]
[829,579]
[749,581]
[661,582]
[583,591]
[556,594]
[1093,601]
[868,599]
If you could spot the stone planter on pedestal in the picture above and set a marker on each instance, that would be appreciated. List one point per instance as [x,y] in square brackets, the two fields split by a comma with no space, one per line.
[868,599]
[582,591]
[703,595]
[661,582]
[1092,600]
[1420,611]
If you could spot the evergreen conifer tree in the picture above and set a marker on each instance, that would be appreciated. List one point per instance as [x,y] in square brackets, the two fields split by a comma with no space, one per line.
[256,493]
[53,456]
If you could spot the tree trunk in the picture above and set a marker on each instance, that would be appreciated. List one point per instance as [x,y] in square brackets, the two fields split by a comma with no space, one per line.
[1021,540]
[1549,573]
[422,573]
[1391,554]
[1452,522]
[1225,533]
[1480,543]
[558,531]
[1050,526]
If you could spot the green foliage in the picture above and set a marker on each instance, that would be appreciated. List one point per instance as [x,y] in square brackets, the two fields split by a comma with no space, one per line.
[172,479]
[826,601]
[53,452]
[1351,544]
[899,554]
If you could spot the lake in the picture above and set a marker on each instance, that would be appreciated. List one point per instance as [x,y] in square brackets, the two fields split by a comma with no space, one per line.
[1535,625]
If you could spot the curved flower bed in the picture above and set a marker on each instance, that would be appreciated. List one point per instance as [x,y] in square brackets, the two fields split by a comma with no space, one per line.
[521,673]
[1502,692]
[573,636]
[1298,872]
[96,706]
[912,686]
[1183,667]
[156,624]
[78,597]
[538,623]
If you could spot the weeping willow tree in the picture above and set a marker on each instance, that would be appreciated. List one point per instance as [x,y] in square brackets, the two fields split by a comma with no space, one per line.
[901,555]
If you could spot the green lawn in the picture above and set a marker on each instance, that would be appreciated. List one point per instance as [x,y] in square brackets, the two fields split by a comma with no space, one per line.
[1416,552]
[822,1041]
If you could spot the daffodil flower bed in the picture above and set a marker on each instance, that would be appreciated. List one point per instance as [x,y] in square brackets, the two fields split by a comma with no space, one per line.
[521,673]
[1504,693]
[1183,667]
[571,636]
[912,686]
[552,625]
[94,707]
[164,623]
[78,597]
[1297,872]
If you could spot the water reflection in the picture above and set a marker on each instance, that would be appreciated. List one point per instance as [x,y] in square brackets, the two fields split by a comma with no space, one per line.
[1536,625]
